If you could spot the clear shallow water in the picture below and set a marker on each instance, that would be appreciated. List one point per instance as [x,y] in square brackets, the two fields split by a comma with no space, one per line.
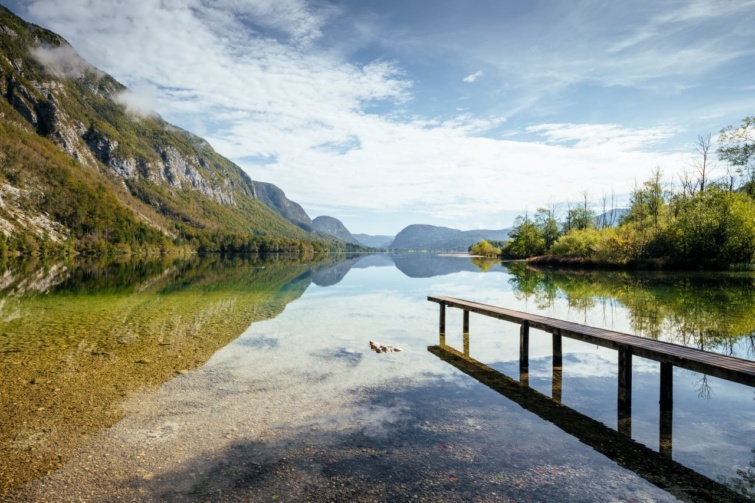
[281,398]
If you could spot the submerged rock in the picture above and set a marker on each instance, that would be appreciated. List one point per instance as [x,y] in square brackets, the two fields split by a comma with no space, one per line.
[382,348]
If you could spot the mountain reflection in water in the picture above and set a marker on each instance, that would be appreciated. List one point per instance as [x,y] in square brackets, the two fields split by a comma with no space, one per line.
[76,339]
[280,397]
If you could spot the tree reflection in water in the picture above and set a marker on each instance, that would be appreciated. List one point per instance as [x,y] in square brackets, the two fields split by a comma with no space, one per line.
[710,311]
[744,482]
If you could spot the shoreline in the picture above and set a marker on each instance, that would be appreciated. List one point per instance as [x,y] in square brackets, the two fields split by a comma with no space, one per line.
[650,264]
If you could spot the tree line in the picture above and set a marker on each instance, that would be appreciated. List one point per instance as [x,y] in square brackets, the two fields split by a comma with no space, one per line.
[700,220]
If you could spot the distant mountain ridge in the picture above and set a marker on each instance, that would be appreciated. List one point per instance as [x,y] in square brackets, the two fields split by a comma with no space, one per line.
[334,227]
[375,241]
[434,238]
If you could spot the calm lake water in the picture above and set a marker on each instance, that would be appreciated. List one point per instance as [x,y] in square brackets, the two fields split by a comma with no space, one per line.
[252,380]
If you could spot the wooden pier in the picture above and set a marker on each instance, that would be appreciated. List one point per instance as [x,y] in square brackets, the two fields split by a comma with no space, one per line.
[712,364]
[656,467]
[667,354]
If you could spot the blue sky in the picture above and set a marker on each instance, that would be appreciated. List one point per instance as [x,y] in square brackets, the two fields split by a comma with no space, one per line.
[450,112]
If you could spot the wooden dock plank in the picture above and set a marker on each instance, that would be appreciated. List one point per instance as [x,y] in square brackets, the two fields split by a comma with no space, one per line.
[726,367]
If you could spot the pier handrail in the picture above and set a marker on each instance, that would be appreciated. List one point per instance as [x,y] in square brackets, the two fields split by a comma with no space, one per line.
[726,367]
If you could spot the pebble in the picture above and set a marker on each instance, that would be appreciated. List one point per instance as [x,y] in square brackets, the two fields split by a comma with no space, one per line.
[144,361]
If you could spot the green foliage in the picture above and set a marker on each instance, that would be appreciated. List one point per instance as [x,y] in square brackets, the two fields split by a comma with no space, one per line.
[526,240]
[485,249]
[648,204]
[530,238]
[576,243]
[95,219]
[545,221]
[579,218]
[606,245]
[713,226]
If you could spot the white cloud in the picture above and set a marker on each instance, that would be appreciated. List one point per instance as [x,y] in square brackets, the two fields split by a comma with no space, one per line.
[140,100]
[340,132]
[292,17]
[611,136]
[474,77]
[62,60]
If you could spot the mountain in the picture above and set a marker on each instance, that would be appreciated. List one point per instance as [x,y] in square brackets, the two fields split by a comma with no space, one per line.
[374,241]
[334,227]
[430,237]
[276,200]
[82,168]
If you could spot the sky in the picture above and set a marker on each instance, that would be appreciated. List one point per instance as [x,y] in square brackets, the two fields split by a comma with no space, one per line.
[447,112]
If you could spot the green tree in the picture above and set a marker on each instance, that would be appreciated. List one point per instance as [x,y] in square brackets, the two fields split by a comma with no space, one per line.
[737,147]
[545,221]
[715,225]
[526,239]
[580,216]
[648,202]
[485,249]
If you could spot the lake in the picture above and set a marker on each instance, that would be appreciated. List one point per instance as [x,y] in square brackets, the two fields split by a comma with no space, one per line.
[243,379]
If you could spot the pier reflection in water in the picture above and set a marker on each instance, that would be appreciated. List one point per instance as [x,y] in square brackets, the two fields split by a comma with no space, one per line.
[658,467]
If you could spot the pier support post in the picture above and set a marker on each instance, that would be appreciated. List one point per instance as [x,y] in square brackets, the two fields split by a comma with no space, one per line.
[524,344]
[557,351]
[625,391]
[524,352]
[466,333]
[557,368]
[667,386]
[665,437]
[442,324]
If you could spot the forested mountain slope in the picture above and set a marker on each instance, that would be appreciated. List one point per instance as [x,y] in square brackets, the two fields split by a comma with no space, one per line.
[81,169]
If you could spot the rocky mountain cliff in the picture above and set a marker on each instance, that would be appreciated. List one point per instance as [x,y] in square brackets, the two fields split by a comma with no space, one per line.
[430,237]
[334,227]
[132,178]
[276,200]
